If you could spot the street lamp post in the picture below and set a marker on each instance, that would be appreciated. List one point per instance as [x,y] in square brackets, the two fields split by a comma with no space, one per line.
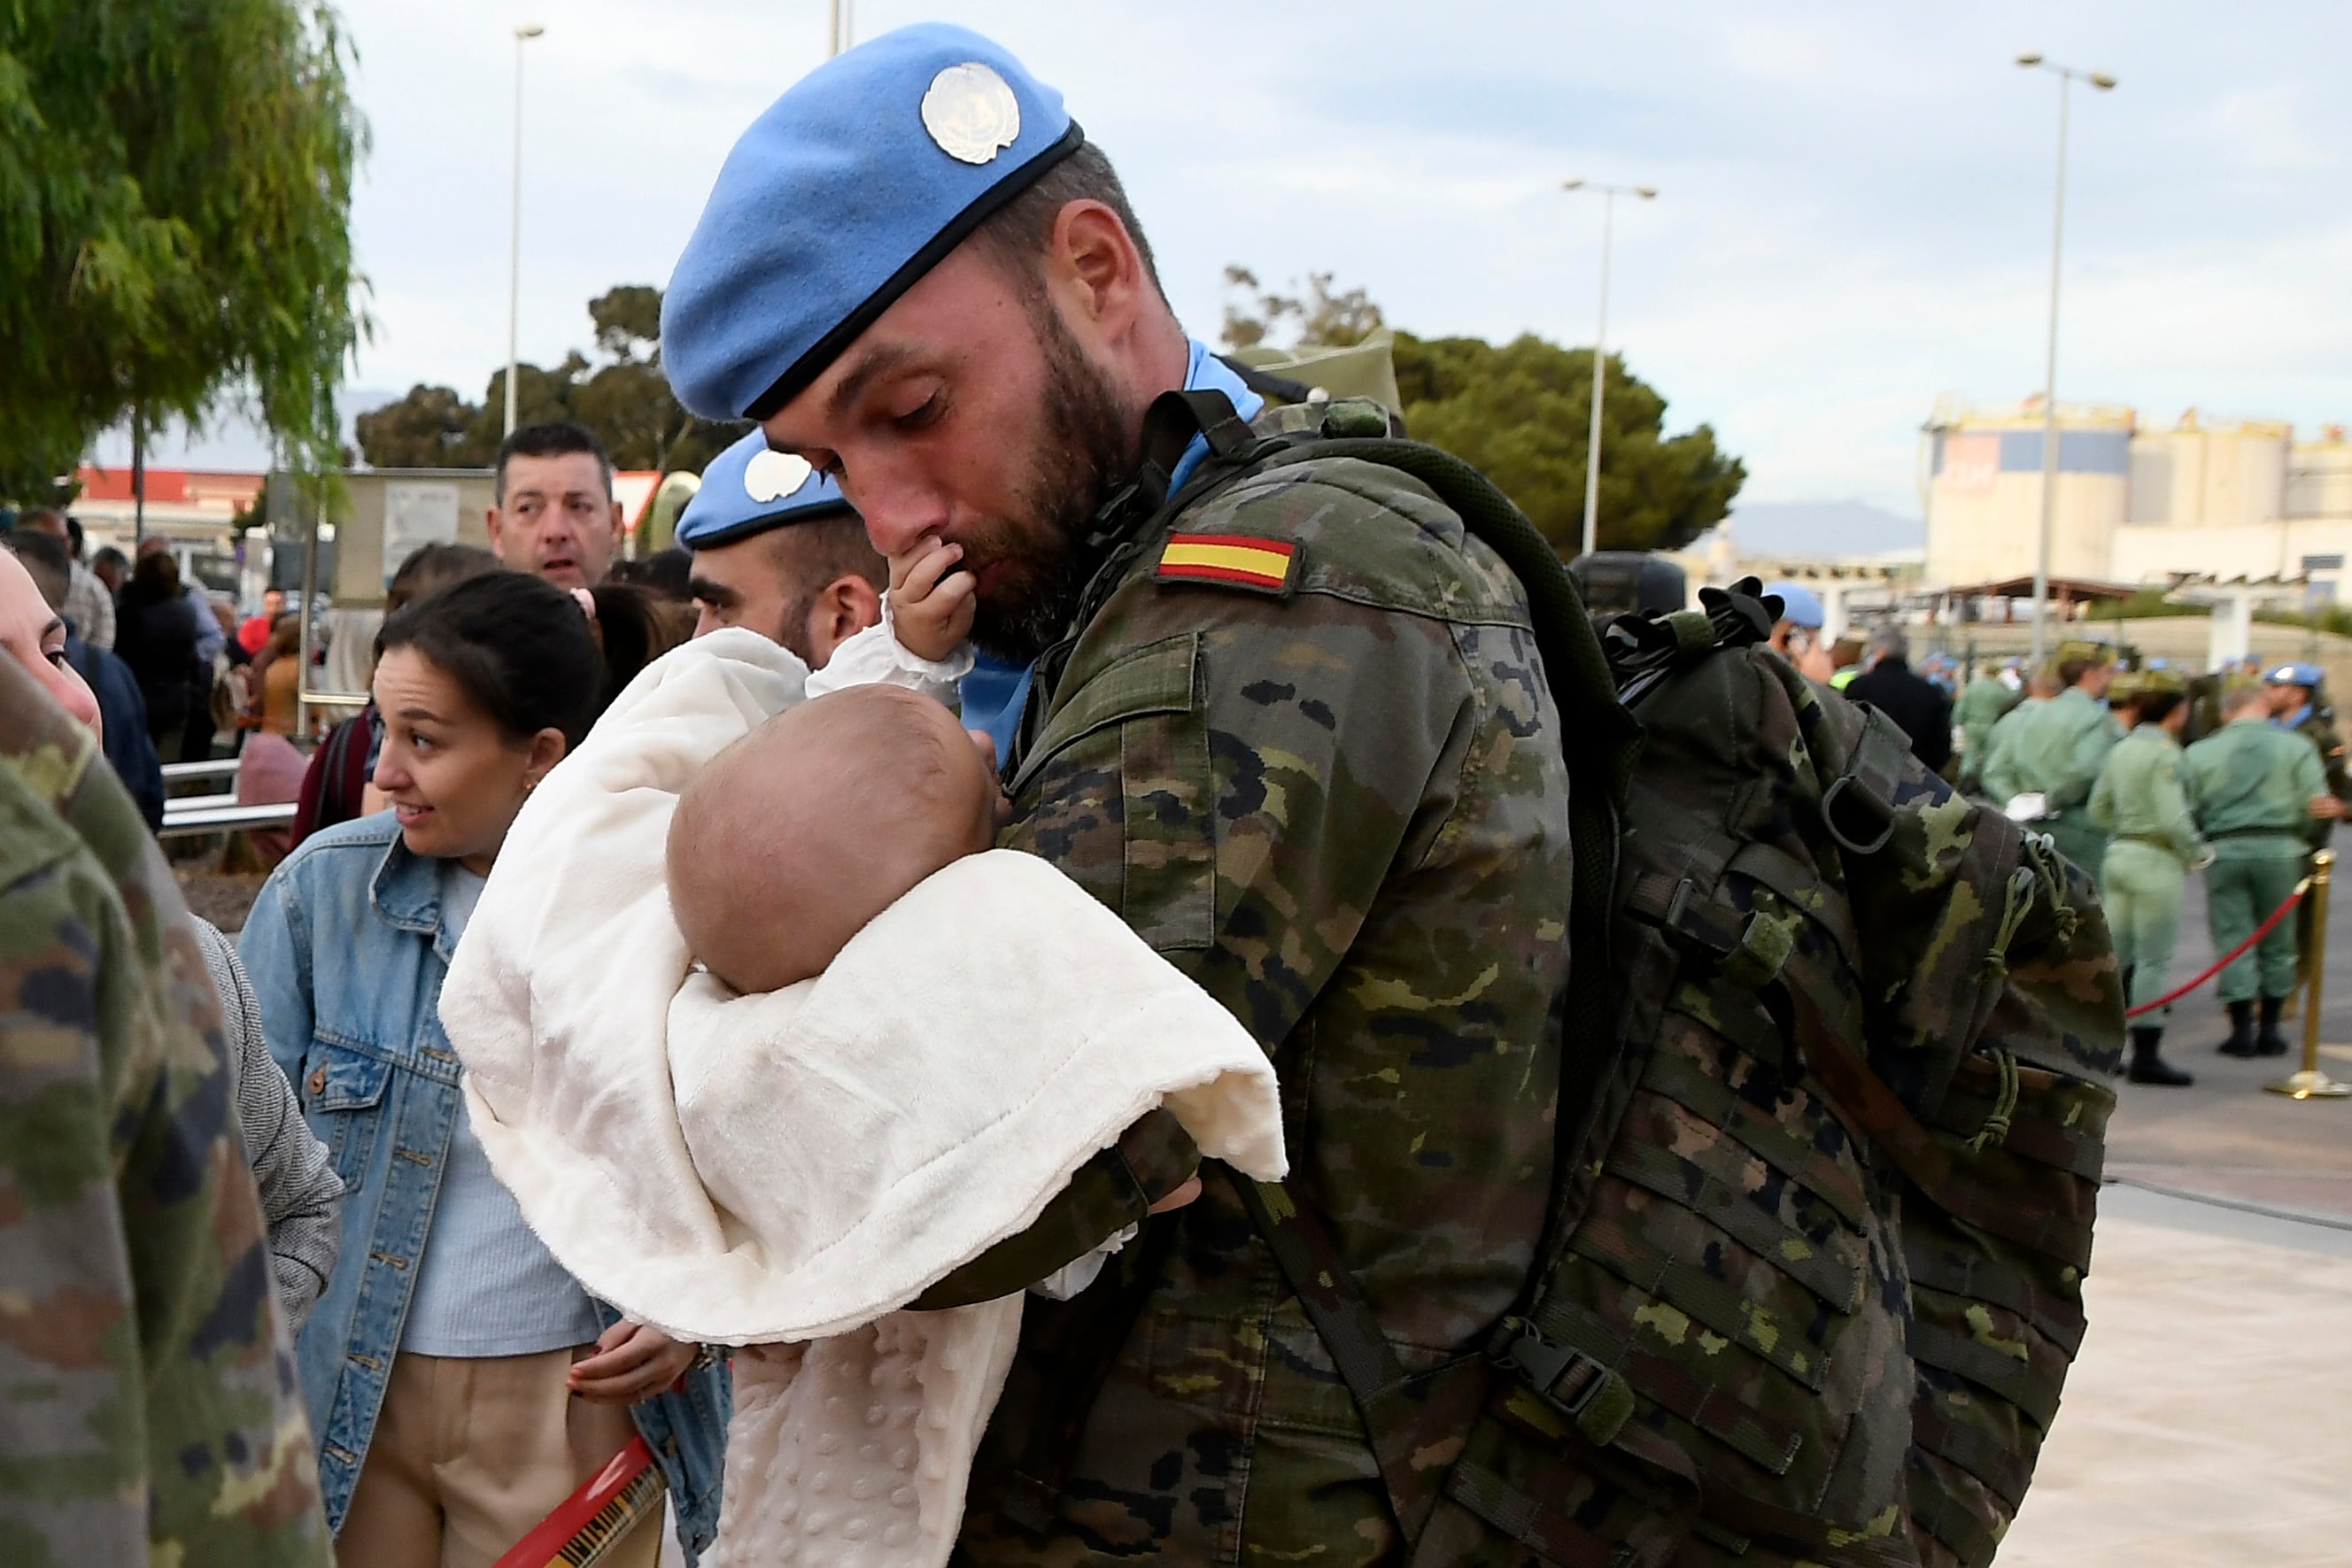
[523,34]
[2067,76]
[1607,194]
[841,23]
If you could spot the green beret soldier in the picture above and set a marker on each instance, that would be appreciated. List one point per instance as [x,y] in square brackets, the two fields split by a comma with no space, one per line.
[2298,703]
[2255,787]
[1293,728]
[147,1389]
[2142,799]
[2056,748]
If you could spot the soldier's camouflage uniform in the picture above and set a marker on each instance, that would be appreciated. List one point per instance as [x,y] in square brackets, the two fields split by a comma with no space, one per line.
[148,1406]
[1340,803]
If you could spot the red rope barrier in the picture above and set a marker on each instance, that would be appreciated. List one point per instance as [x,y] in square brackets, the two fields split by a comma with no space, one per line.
[2228,958]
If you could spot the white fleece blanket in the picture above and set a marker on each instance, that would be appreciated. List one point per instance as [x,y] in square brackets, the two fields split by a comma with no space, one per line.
[795,1166]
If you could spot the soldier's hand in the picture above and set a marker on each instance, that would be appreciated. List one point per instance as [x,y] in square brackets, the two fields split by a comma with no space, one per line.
[931,603]
[2326,809]
[1180,1196]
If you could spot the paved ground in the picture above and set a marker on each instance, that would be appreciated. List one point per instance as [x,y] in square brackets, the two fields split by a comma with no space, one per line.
[2207,1421]
[2224,1137]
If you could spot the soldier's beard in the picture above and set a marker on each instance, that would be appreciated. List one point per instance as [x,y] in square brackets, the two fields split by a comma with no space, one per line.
[1030,567]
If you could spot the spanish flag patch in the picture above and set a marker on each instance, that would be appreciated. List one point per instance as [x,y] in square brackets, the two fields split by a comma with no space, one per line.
[1266,566]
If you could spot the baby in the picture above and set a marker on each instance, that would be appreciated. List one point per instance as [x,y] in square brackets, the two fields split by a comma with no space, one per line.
[790,841]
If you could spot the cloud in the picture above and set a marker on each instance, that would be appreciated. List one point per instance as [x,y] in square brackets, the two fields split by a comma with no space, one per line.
[1854,212]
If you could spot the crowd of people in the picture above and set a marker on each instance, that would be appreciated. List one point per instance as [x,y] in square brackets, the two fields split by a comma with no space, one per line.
[2141,776]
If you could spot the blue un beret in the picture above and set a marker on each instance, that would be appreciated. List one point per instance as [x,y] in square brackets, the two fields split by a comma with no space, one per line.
[1798,604]
[748,489]
[2295,675]
[847,190]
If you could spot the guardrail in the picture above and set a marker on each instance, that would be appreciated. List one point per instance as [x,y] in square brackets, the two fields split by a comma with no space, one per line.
[216,767]
[202,815]
[216,810]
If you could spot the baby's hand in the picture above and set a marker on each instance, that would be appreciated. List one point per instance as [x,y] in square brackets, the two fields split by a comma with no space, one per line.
[931,603]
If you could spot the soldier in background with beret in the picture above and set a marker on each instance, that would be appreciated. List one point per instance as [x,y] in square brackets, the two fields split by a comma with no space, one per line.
[1292,728]
[2142,799]
[2056,749]
[2298,703]
[2259,791]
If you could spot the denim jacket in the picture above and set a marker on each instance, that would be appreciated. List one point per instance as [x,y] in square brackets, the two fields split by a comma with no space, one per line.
[347,952]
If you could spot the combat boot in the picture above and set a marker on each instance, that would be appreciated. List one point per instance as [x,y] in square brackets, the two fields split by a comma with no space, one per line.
[2241,1031]
[2148,1067]
[2269,1041]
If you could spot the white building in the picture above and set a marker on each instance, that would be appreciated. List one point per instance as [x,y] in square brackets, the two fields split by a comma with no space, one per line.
[2227,500]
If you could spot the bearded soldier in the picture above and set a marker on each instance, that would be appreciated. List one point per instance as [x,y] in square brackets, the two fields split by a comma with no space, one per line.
[1293,729]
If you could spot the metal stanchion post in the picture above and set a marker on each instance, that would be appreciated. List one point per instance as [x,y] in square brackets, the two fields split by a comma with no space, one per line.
[2312,1083]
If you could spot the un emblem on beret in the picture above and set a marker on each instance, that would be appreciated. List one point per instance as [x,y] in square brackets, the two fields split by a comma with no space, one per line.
[970,114]
[772,476]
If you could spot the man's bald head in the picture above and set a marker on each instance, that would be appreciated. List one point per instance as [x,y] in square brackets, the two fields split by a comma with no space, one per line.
[790,841]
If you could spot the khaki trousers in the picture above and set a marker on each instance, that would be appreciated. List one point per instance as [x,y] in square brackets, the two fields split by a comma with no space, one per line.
[468,1455]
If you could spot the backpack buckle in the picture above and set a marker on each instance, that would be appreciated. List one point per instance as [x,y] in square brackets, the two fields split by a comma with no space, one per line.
[1865,824]
[1597,1406]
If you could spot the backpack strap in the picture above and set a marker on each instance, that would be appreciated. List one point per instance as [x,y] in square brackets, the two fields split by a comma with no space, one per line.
[1404,1422]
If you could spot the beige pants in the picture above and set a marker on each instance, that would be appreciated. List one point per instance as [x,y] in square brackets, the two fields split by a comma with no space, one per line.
[468,1455]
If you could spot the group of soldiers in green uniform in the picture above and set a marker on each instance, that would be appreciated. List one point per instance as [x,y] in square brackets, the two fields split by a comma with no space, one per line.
[2094,757]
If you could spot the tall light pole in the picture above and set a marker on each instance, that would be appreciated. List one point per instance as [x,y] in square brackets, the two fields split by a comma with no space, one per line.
[523,34]
[1607,194]
[841,24]
[2067,76]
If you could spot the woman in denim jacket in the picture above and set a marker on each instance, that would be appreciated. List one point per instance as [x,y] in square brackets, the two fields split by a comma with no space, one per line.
[460,1383]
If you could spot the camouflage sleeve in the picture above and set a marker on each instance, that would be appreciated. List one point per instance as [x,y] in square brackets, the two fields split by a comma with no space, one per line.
[1236,775]
[1112,1191]
[148,1395]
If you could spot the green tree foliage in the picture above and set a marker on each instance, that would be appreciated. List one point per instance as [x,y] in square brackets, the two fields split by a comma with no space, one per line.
[625,400]
[1313,315]
[1522,412]
[175,193]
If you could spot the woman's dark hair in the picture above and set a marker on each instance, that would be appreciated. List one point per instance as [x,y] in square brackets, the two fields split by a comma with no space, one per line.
[2155,708]
[433,567]
[523,652]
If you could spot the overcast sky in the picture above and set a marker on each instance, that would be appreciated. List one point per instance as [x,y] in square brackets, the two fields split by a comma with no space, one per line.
[1855,214]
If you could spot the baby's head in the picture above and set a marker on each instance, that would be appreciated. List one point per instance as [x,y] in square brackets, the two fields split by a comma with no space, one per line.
[791,839]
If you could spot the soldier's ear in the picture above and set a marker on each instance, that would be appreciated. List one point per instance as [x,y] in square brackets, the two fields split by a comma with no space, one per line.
[1098,267]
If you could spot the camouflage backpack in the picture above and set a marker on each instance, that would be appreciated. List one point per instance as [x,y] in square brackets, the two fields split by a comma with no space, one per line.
[1833,1113]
